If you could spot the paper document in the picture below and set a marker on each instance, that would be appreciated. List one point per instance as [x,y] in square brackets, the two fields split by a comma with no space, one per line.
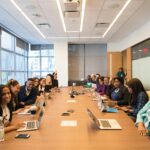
[71,101]
[69,123]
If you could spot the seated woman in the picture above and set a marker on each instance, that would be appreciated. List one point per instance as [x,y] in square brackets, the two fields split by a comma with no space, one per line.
[143,119]
[119,94]
[109,82]
[55,81]
[15,88]
[42,83]
[100,86]
[49,83]
[36,82]
[138,99]
[6,108]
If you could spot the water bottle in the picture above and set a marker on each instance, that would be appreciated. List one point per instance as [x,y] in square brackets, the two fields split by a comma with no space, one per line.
[2,132]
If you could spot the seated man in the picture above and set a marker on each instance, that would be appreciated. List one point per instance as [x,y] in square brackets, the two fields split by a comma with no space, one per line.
[28,93]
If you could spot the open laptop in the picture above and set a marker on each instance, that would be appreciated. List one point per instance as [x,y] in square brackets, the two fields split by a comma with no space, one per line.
[104,124]
[104,107]
[26,111]
[34,124]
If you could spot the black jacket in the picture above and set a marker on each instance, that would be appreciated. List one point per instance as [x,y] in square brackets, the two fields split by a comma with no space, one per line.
[123,96]
[27,99]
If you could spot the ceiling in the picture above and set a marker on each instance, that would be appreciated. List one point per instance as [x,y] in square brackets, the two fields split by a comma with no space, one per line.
[99,14]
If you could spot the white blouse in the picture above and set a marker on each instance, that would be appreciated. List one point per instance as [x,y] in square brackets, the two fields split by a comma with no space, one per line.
[6,115]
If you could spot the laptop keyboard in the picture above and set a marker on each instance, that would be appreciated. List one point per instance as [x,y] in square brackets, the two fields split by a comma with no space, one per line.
[105,123]
[31,125]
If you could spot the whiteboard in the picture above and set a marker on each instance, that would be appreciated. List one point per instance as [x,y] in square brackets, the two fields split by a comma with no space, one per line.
[141,70]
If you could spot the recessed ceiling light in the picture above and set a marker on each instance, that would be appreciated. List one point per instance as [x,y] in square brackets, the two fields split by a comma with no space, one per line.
[61,14]
[116,18]
[82,14]
[86,37]
[102,25]
[36,15]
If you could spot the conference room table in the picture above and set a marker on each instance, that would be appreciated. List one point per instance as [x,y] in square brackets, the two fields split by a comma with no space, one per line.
[84,136]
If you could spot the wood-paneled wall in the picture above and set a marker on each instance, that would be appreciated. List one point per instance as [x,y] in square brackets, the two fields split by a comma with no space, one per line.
[115,60]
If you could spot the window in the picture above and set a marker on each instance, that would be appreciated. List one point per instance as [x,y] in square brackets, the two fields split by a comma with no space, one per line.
[7,76]
[40,60]
[20,77]
[7,60]
[13,58]
[47,53]
[34,74]
[7,41]
[34,63]
[20,63]
[47,63]
[20,51]
[33,53]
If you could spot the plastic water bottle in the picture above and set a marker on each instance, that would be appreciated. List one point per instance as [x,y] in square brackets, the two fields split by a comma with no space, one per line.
[2,133]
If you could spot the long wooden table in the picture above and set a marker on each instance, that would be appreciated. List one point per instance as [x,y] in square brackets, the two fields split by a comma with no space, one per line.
[51,136]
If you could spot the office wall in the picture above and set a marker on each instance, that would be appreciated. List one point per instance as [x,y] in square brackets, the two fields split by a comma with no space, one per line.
[95,59]
[86,59]
[114,62]
[76,61]
[141,71]
[134,38]
[61,61]
[127,62]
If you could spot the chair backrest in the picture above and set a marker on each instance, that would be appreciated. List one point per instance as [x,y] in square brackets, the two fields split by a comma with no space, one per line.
[148,92]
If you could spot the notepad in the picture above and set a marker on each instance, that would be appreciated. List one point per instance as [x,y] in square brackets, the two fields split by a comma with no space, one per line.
[69,123]
[71,101]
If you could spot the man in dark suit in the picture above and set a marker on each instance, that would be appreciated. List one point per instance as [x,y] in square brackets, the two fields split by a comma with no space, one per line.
[28,93]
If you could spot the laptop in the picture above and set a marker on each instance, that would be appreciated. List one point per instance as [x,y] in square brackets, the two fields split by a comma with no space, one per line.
[104,124]
[34,124]
[26,111]
[104,107]
[38,104]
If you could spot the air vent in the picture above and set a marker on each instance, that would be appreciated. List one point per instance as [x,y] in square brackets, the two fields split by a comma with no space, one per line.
[44,25]
[72,14]
[102,25]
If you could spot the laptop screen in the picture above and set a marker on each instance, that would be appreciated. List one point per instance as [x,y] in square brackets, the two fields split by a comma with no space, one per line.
[92,116]
[40,115]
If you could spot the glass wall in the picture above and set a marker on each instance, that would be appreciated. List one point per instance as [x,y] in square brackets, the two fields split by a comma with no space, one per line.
[18,62]
[40,60]
[13,58]
[85,59]
[141,61]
